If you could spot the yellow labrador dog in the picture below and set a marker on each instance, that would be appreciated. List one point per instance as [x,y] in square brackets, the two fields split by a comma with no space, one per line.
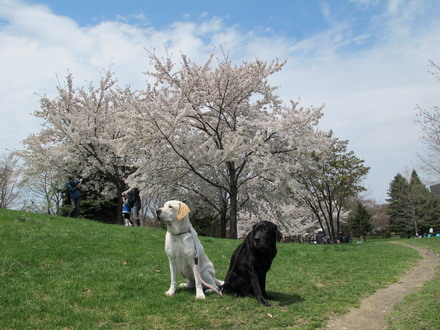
[185,252]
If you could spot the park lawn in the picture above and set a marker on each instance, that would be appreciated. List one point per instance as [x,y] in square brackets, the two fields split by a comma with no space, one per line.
[422,309]
[58,272]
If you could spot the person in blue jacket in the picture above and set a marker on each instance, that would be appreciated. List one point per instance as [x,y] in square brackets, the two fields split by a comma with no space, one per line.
[73,186]
[126,211]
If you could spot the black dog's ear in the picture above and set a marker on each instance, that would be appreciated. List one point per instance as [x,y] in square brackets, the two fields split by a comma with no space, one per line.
[279,235]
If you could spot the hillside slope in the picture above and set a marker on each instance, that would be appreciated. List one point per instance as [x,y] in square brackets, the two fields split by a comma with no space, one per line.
[58,272]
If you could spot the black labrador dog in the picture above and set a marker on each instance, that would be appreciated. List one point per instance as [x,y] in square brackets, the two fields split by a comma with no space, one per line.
[251,261]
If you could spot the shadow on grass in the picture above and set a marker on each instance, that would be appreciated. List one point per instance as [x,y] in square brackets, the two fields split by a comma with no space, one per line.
[286,299]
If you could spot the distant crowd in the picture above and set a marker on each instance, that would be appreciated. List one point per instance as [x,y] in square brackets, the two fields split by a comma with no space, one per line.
[322,238]
[430,233]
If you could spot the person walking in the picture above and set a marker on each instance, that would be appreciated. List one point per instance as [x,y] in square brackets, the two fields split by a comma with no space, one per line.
[73,186]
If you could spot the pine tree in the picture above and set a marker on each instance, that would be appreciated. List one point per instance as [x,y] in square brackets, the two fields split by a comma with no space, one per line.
[398,210]
[426,205]
[412,209]
[360,221]
[432,214]
[419,197]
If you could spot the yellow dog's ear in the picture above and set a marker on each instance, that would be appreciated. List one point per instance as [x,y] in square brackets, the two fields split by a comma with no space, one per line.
[183,211]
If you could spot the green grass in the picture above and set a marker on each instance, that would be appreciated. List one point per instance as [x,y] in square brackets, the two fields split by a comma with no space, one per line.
[422,309]
[77,274]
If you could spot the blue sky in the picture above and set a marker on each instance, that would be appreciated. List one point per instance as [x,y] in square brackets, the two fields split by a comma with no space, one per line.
[365,60]
[292,19]
[288,17]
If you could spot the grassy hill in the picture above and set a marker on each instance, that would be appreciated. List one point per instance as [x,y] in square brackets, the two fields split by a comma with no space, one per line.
[58,272]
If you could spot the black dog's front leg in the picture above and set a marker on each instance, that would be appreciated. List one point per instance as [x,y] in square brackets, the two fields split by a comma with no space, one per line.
[262,279]
[258,292]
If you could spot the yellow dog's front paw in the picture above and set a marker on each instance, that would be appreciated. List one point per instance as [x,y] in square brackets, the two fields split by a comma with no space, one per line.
[170,293]
[200,296]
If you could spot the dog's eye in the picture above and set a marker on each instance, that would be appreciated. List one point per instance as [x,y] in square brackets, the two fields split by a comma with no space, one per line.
[170,206]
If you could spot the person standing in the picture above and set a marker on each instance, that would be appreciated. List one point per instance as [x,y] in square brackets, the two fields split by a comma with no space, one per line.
[135,203]
[126,210]
[73,186]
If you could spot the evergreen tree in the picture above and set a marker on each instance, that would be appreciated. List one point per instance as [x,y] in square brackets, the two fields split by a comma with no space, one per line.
[399,217]
[419,197]
[427,205]
[96,203]
[412,209]
[361,221]
[432,215]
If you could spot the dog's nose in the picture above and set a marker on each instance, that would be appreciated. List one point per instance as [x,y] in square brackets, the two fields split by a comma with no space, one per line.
[158,211]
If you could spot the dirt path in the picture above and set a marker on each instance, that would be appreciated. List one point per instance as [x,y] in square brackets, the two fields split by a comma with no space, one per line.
[370,315]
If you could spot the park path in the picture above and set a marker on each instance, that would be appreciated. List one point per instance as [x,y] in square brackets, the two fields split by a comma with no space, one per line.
[371,313]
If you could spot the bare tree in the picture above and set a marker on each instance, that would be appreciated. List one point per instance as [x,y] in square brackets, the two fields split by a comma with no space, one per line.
[9,180]
[380,220]
[46,186]
[429,121]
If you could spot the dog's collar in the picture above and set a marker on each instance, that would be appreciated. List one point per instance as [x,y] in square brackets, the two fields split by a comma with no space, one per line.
[184,232]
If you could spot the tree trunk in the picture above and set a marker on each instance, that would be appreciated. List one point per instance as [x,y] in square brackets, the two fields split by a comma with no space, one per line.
[48,205]
[233,216]
[364,237]
[120,189]
[223,219]
[332,227]
[233,198]
[413,211]
[338,218]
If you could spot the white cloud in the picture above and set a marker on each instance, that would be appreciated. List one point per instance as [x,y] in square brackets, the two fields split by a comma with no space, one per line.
[370,92]
[393,6]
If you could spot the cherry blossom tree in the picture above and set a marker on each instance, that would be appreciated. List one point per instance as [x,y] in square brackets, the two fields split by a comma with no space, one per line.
[328,183]
[295,221]
[82,135]
[219,130]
